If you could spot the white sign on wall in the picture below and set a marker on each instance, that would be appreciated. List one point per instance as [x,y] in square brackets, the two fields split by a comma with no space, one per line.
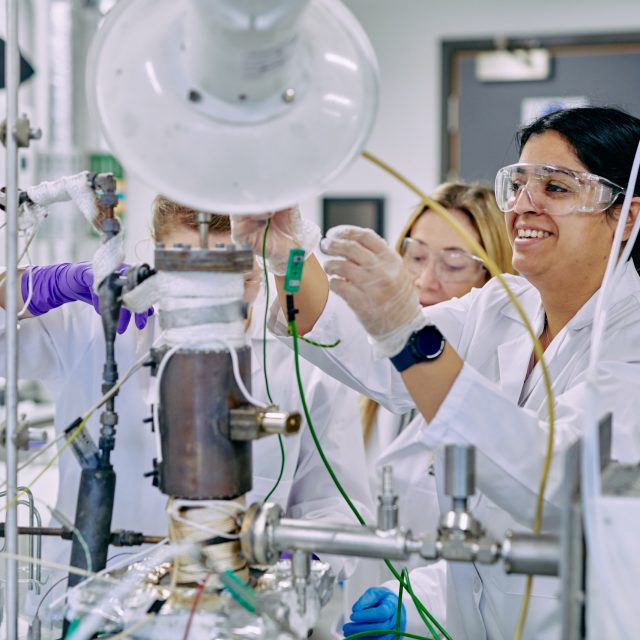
[533,108]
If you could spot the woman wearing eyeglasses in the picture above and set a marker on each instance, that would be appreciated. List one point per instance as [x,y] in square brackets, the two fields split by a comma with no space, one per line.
[468,364]
[441,267]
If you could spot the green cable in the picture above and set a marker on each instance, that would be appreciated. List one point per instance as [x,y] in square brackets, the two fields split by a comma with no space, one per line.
[319,344]
[293,332]
[379,632]
[405,576]
[281,473]
[425,615]
[264,354]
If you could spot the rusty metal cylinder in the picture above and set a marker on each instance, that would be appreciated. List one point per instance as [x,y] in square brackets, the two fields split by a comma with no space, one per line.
[199,461]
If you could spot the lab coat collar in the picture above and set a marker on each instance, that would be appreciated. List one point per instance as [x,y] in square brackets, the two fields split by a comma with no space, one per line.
[532,304]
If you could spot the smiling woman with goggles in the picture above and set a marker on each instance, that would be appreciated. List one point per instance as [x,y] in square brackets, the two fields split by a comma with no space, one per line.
[554,190]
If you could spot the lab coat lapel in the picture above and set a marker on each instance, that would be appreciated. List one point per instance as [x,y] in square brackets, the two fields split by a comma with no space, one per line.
[559,355]
[513,361]
[514,355]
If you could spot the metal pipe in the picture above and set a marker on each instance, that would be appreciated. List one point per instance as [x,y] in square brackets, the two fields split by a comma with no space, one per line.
[341,540]
[12,76]
[531,553]
[41,531]
[459,469]
[35,569]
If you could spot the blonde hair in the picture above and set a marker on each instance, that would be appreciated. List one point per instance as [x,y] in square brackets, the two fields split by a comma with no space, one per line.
[478,203]
[167,216]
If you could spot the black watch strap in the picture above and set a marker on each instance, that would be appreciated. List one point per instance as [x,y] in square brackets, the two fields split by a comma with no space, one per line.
[422,346]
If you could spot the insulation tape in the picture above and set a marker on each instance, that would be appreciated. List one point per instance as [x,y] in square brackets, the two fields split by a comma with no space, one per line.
[75,188]
[184,290]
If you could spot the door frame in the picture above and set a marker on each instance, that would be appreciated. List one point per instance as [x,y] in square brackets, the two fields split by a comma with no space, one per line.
[451,50]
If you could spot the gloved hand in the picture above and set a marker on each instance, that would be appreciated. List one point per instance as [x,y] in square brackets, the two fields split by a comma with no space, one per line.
[373,281]
[57,284]
[288,230]
[376,609]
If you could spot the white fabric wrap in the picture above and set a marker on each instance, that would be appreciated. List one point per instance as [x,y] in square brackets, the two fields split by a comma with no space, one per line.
[76,188]
[171,291]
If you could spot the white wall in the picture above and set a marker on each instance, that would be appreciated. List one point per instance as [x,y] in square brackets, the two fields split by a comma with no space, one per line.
[407,35]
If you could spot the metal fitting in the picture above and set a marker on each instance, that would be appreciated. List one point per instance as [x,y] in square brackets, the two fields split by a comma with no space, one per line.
[387,502]
[251,423]
[459,522]
[531,553]
[23,132]
[255,533]
[301,570]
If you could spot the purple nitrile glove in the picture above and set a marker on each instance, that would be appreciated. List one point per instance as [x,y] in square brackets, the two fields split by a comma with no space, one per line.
[57,284]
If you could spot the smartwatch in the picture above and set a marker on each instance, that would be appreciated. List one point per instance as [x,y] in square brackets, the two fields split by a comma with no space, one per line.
[423,345]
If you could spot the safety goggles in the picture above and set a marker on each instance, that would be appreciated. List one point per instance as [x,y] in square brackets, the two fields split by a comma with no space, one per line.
[553,190]
[450,265]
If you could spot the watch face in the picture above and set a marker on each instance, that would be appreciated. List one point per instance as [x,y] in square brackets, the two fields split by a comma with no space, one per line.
[428,342]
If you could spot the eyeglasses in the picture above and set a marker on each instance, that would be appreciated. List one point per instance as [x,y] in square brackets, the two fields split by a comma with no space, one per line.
[554,190]
[450,265]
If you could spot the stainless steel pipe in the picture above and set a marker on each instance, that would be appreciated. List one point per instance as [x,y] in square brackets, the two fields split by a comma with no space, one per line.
[531,553]
[342,540]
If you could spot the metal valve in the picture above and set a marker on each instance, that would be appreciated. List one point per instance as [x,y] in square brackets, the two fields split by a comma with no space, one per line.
[387,502]
[250,423]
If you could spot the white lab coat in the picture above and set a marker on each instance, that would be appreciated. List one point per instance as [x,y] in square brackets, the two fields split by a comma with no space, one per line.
[415,485]
[65,349]
[482,409]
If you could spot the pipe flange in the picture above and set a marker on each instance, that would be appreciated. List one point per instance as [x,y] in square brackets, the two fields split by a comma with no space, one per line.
[255,533]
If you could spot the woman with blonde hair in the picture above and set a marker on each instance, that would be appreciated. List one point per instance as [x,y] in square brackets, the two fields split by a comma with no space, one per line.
[442,268]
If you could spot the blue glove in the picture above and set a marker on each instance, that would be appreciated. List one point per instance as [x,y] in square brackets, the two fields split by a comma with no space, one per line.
[376,609]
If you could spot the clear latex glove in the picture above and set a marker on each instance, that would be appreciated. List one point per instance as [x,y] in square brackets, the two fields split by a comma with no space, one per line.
[288,230]
[373,281]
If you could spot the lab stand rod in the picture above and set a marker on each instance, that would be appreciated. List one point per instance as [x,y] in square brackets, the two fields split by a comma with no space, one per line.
[12,70]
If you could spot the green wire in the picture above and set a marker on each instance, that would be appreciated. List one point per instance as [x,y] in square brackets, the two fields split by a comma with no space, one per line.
[405,576]
[264,354]
[425,615]
[293,332]
[379,632]
[319,344]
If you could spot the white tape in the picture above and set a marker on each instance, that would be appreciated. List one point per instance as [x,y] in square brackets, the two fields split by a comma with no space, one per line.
[75,188]
[107,259]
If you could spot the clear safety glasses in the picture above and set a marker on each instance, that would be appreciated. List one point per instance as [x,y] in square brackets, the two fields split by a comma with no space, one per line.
[554,190]
[450,265]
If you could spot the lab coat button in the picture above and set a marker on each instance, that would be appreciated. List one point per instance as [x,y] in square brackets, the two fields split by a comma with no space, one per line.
[477,585]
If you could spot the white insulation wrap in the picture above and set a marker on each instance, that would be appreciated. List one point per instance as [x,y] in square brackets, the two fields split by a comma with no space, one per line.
[188,291]
[75,188]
